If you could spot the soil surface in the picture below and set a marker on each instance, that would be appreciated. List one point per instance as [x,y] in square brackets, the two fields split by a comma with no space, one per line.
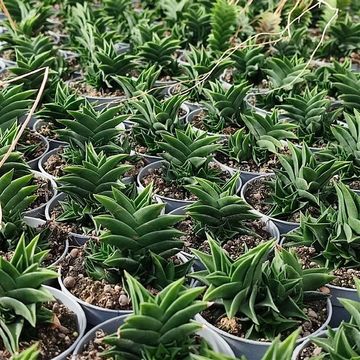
[31,145]
[47,129]
[44,192]
[316,312]
[249,165]
[99,293]
[354,185]
[258,195]
[92,350]
[198,122]
[55,164]
[164,189]
[344,276]
[52,339]
[82,88]
[69,226]
[235,247]
[56,242]
[309,352]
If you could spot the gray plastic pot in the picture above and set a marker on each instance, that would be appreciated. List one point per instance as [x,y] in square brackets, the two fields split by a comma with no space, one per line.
[102,102]
[112,325]
[303,345]
[95,314]
[283,226]
[337,292]
[339,312]
[226,85]
[270,227]
[68,54]
[244,175]
[255,350]
[171,204]
[39,212]
[34,162]
[80,315]
[121,47]
[77,239]
[36,223]
[53,143]
[44,159]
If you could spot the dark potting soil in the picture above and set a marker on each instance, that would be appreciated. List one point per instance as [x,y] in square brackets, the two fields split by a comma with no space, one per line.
[137,166]
[258,196]
[47,130]
[249,165]
[164,189]
[44,192]
[315,310]
[53,339]
[69,226]
[198,122]
[94,292]
[235,247]
[82,88]
[31,145]
[55,164]
[56,242]
[344,276]
[92,349]
[354,185]
[309,352]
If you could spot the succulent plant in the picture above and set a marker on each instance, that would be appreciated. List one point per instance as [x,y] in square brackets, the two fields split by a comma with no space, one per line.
[312,113]
[64,100]
[224,107]
[259,139]
[197,24]
[341,343]
[248,63]
[302,181]
[152,117]
[101,128]
[14,103]
[219,211]
[97,174]
[199,69]
[161,325]
[343,39]
[347,145]
[29,354]
[160,52]
[347,84]
[334,234]
[189,154]
[17,194]
[138,239]
[269,294]
[223,26]
[106,63]
[144,83]
[22,293]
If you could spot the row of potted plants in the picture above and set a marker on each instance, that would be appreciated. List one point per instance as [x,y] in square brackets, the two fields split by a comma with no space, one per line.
[151,135]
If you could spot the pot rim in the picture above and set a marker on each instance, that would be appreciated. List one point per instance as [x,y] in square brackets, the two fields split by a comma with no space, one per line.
[243,190]
[263,343]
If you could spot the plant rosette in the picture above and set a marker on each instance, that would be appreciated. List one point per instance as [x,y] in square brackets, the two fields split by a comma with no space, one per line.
[33,146]
[75,230]
[60,338]
[235,246]
[46,191]
[46,129]
[172,196]
[100,300]
[254,350]
[256,186]
[307,256]
[92,341]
